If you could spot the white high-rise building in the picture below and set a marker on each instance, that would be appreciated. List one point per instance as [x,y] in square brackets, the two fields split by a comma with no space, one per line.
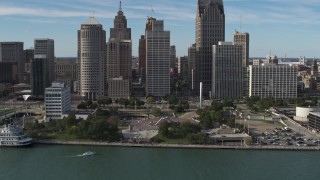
[91,53]
[158,59]
[57,101]
[275,81]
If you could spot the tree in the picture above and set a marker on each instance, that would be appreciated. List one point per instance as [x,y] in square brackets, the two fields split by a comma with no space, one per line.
[198,138]
[185,105]
[124,102]
[83,127]
[101,112]
[135,102]
[163,128]
[108,101]
[156,112]
[93,106]
[188,128]
[228,103]
[82,106]
[216,106]
[70,121]
[306,96]
[88,103]
[151,100]
[173,100]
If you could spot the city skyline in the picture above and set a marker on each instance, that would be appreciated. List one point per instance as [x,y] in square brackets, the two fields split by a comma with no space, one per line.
[280,26]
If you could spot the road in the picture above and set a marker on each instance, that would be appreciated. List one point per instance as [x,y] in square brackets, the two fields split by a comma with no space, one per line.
[296,126]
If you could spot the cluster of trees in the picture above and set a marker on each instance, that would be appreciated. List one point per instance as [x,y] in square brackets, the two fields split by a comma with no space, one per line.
[132,102]
[4,93]
[258,104]
[87,105]
[176,104]
[151,100]
[156,112]
[95,127]
[304,101]
[102,102]
[182,83]
[215,115]
[177,130]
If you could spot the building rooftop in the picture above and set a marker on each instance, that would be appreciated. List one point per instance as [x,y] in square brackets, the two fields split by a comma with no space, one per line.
[315,113]
[92,21]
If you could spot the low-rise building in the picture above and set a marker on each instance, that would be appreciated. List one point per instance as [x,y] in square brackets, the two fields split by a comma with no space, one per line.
[314,120]
[303,112]
[67,71]
[118,88]
[57,101]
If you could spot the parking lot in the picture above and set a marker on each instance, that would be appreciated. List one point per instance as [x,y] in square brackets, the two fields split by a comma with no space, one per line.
[284,137]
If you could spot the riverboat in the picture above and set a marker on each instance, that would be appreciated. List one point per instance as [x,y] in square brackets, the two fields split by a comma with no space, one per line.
[11,136]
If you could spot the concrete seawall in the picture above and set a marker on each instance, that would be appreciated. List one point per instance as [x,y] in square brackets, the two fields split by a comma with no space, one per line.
[82,143]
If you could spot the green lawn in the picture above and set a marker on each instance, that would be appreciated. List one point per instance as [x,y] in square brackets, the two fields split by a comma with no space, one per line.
[61,137]
[173,141]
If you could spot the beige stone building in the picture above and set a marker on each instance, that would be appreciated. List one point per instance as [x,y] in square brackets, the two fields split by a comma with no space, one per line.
[67,72]
[118,88]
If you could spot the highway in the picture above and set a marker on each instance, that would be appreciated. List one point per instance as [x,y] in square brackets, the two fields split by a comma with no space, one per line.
[19,107]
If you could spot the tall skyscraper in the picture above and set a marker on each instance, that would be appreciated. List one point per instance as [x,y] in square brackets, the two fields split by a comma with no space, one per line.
[11,53]
[45,48]
[91,53]
[158,59]
[173,57]
[227,71]
[119,58]
[120,30]
[142,59]
[242,39]
[183,68]
[39,75]
[8,72]
[28,54]
[192,66]
[210,29]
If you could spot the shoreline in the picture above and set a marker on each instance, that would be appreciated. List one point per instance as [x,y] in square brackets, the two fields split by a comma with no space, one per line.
[178,146]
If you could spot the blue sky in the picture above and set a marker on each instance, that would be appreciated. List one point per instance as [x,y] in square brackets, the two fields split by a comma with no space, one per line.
[290,27]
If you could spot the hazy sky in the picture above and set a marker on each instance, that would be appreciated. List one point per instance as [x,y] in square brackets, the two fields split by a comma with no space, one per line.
[290,27]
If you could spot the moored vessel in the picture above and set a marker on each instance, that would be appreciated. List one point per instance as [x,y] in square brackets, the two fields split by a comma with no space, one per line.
[12,136]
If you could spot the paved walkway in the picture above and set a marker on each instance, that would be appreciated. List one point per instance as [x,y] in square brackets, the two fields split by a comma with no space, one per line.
[280,148]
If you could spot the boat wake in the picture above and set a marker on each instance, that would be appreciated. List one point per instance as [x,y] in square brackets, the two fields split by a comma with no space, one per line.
[85,154]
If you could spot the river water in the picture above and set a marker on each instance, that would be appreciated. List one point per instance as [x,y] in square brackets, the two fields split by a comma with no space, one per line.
[45,162]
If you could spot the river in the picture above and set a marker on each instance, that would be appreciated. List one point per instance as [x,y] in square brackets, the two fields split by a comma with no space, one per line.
[51,162]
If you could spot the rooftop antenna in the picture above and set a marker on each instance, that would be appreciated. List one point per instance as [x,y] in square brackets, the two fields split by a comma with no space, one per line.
[92,14]
[240,22]
[120,7]
[152,11]
[285,56]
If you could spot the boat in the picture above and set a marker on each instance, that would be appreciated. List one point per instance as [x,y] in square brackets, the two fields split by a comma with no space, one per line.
[88,153]
[11,136]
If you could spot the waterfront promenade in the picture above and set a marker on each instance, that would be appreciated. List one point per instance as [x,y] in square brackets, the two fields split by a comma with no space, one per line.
[184,146]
